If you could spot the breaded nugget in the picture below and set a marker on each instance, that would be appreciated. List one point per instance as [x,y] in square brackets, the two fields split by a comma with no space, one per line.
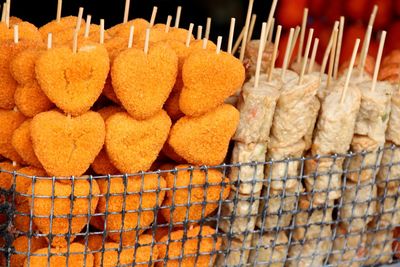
[212,130]
[133,202]
[24,245]
[67,146]
[84,192]
[171,106]
[97,222]
[123,29]
[208,187]
[94,241]
[197,45]
[10,120]
[145,253]
[22,143]
[143,82]
[182,52]
[209,78]
[168,151]
[23,183]
[7,178]
[199,240]
[133,145]
[22,220]
[74,255]
[26,32]
[63,30]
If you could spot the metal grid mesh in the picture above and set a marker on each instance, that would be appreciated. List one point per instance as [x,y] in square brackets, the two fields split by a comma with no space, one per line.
[321,212]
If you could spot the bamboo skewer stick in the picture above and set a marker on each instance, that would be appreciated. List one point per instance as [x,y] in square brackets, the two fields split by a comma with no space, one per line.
[364,50]
[208,28]
[16,34]
[313,55]
[189,34]
[251,28]
[339,48]
[246,30]
[238,41]
[378,60]
[332,58]
[287,53]
[131,33]
[231,33]
[147,41]
[328,49]
[59,9]
[271,31]
[75,43]
[306,53]
[219,43]
[126,10]
[102,29]
[302,34]
[49,40]
[199,32]
[275,52]
[8,13]
[292,47]
[373,16]
[87,26]
[168,24]
[79,20]
[178,16]
[153,16]
[353,59]
[259,55]
[3,13]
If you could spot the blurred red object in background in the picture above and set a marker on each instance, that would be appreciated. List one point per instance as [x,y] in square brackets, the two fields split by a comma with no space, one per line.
[393,37]
[333,11]
[396,7]
[396,243]
[384,15]
[290,13]
[351,33]
[282,49]
[315,7]
[355,9]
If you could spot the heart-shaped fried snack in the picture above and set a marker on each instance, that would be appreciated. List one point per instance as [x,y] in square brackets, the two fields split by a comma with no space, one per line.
[211,188]
[171,106]
[142,82]
[26,32]
[75,255]
[130,196]
[209,78]
[6,176]
[24,245]
[204,140]
[81,192]
[67,146]
[10,120]
[133,145]
[122,30]
[73,81]
[22,143]
[63,30]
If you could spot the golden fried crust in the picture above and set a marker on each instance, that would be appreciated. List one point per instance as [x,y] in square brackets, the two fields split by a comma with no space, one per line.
[26,32]
[182,52]
[143,82]
[171,106]
[13,119]
[23,183]
[212,130]
[22,143]
[73,81]
[94,241]
[83,189]
[209,78]
[200,239]
[76,257]
[62,31]
[6,178]
[22,248]
[143,254]
[133,145]
[214,194]
[116,203]
[123,29]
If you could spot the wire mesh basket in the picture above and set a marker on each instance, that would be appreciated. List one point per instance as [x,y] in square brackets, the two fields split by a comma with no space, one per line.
[309,211]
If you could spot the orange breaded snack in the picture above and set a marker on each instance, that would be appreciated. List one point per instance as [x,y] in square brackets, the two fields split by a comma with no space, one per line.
[182,52]
[179,34]
[209,79]
[26,32]
[143,82]
[133,145]
[157,34]
[133,201]
[171,106]
[62,31]
[6,176]
[22,142]
[199,240]
[207,187]
[197,45]
[146,253]
[73,81]
[168,151]
[67,146]
[22,246]
[212,130]
[42,206]
[123,29]
[29,97]
[22,220]
[94,241]
[10,120]
[76,257]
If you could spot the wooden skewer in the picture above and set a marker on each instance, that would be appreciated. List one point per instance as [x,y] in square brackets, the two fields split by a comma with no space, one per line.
[293,45]
[153,16]
[49,40]
[313,55]
[302,34]
[251,28]
[168,24]
[8,13]
[204,45]
[3,13]
[16,34]
[260,54]
[178,16]
[208,28]
[87,27]
[271,31]
[246,30]
[189,35]
[231,33]
[332,58]
[131,32]
[126,11]
[146,41]
[238,41]
[219,43]
[75,43]
[102,29]
[328,49]
[79,20]
[59,9]
[339,48]
[272,13]
[275,52]
[373,16]
[199,32]
[378,60]
[306,53]
[287,53]
[353,59]
[364,50]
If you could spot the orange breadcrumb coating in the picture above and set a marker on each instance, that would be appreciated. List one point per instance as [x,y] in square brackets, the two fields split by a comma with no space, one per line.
[209,79]
[123,29]
[204,140]
[182,51]
[94,241]
[133,145]
[168,151]
[171,106]
[212,193]
[161,231]
[7,178]
[73,81]
[143,82]
[97,222]
[197,45]
[62,31]
[10,120]
[62,207]
[156,35]
[368,68]
[22,143]
[26,32]
[29,97]
[200,239]
[147,200]
[22,220]
[144,254]
[67,146]
[179,34]
[22,248]
[76,257]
